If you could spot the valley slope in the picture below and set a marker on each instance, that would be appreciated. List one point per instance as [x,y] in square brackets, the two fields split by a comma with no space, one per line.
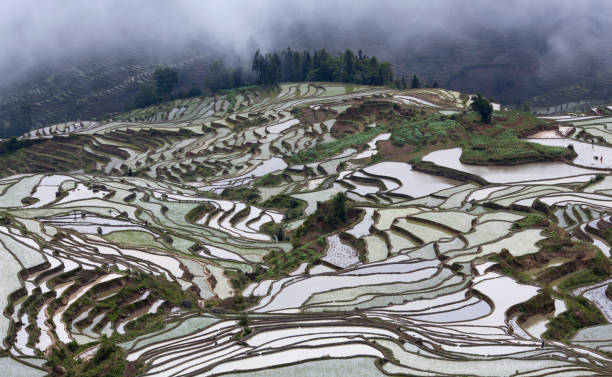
[309,229]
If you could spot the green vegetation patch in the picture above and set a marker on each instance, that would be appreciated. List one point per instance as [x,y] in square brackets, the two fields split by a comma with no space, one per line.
[533,220]
[586,265]
[125,303]
[198,171]
[13,145]
[251,122]
[197,212]
[539,304]
[598,270]
[507,149]
[109,360]
[133,237]
[580,313]
[325,150]
[269,180]
[244,194]
[282,263]
[423,132]
[293,207]
[329,216]
[348,67]
[608,236]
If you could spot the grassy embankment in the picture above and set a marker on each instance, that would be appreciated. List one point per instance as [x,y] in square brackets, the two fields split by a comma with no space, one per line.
[415,132]
[584,264]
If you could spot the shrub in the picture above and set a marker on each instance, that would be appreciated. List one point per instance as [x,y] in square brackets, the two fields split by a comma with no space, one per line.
[323,150]
[531,221]
[245,194]
[268,180]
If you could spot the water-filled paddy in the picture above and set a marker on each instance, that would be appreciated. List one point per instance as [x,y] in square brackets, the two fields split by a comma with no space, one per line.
[537,171]
[413,183]
[418,290]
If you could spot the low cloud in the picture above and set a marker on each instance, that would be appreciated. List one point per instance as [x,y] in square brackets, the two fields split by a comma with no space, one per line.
[35,33]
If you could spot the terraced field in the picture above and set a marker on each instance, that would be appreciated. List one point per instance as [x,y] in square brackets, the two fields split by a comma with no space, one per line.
[93,87]
[311,229]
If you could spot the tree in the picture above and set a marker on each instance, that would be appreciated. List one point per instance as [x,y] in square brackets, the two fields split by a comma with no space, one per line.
[244,319]
[483,107]
[288,65]
[385,73]
[19,121]
[339,207]
[219,77]
[276,69]
[348,66]
[296,65]
[415,82]
[259,66]
[194,92]
[325,67]
[145,96]
[237,77]
[165,80]
[306,65]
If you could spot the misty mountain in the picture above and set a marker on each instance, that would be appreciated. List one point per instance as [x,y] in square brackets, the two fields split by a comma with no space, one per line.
[89,60]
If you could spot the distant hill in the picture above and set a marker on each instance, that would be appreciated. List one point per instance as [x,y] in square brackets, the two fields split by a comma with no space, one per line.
[514,68]
[87,90]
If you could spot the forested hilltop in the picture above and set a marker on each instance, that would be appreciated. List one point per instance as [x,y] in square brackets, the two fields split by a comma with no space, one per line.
[275,67]
[347,67]
[205,77]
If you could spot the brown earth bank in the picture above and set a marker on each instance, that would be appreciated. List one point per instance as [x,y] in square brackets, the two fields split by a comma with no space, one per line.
[388,149]
[320,226]
[585,265]
[582,255]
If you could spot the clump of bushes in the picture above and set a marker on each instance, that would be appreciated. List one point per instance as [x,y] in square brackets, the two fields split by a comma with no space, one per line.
[597,270]
[244,194]
[329,215]
[580,313]
[13,144]
[197,212]
[251,122]
[269,180]
[281,263]
[533,220]
[293,207]
[109,360]
[539,304]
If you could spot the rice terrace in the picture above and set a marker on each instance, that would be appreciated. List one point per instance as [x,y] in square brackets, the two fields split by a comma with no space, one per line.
[309,223]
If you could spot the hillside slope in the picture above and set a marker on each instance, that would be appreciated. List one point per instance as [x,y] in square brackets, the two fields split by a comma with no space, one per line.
[308,229]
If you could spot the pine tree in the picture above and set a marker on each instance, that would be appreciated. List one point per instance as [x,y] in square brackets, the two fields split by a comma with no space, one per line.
[483,107]
[339,205]
[348,66]
[306,65]
[415,82]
